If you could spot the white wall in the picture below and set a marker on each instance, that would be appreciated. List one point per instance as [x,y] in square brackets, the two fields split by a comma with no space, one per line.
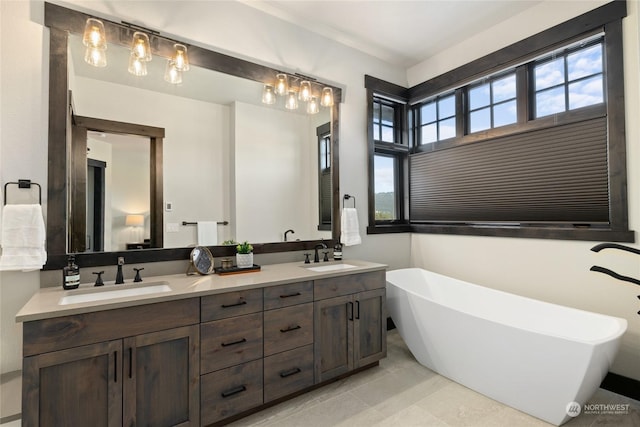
[550,270]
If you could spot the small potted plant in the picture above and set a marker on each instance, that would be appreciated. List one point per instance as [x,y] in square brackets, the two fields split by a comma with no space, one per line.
[244,255]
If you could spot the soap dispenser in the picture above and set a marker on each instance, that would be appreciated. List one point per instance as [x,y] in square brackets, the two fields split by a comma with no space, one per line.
[337,251]
[71,274]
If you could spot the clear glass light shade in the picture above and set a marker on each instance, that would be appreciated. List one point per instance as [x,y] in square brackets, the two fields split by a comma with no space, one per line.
[137,67]
[140,46]
[94,35]
[180,57]
[312,105]
[95,56]
[305,91]
[172,74]
[282,85]
[268,95]
[291,102]
[327,97]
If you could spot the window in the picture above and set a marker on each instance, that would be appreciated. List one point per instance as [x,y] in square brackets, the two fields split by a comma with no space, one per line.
[569,80]
[438,119]
[390,155]
[531,147]
[492,103]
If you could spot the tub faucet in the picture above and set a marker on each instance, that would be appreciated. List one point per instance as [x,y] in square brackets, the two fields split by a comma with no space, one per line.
[287,232]
[316,257]
[119,277]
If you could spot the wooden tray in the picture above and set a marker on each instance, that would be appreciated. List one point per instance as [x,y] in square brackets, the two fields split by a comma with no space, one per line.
[235,270]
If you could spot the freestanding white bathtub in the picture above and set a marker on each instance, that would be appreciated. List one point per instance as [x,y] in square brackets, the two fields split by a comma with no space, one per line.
[531,355]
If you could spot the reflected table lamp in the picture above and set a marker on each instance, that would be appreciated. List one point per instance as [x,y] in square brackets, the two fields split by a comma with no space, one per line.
[136,222]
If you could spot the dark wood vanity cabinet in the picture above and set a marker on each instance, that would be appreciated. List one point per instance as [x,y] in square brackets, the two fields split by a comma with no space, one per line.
[145,374]
[350,328]
[200,361]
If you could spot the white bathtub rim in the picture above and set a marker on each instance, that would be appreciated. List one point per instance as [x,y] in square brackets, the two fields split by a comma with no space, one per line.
[621,323]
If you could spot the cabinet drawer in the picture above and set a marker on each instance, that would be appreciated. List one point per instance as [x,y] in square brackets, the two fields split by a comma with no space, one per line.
[230,391]
[287,295]
[221,306]
[288,328]
[288,372]
[350,284]
[229,342]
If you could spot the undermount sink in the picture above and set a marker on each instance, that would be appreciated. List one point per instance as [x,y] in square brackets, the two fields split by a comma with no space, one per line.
[91,295]
[330,267]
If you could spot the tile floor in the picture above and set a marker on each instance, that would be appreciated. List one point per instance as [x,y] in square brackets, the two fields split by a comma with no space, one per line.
[402,393]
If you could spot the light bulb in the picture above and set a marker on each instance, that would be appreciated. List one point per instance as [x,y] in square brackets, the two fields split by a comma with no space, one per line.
[327,97]
[268,95]
[171,74]
[180,58]
[95,56]
[140,46]
[282,86]
[292,101]
[312,105]
[94,35]
[305,91]
[137,67]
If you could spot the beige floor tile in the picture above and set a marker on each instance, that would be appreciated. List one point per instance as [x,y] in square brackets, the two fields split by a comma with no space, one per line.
[411,416]
[339,409]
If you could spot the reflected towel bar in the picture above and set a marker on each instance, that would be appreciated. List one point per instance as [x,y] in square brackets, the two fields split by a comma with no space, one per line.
[195,223]
[347,197]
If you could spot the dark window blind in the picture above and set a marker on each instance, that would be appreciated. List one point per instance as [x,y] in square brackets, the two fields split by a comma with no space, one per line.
[553,175]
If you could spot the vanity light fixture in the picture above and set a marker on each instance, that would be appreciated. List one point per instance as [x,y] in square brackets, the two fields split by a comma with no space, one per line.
[137,67]
[282,84]
[312,105]
[180,57]
[140,46]
[95,40]
[291,103]
[268,95]
[172,74]
[304,94]
[327,97]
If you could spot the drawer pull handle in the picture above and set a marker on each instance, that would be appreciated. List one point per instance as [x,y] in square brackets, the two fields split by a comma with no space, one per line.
[290,328]
[285,374]
[241,302]
[297,294]
[233,391]
[227,344]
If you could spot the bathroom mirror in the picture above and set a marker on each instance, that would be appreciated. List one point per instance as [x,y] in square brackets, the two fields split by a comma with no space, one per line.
[238,207]
[201,260]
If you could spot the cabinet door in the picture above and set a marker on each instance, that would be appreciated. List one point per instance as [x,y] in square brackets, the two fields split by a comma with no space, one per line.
[333,333]
[81,386]
[161,378]
[370,329]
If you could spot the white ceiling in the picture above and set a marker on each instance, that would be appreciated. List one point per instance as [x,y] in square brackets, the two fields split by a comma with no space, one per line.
[400,32]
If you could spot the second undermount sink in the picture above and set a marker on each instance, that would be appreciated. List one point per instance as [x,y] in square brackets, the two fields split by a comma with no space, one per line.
[330,267]
[91,295]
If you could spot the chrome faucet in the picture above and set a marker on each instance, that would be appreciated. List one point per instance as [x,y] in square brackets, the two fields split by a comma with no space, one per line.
[316,257]
[119,277]
[286,232]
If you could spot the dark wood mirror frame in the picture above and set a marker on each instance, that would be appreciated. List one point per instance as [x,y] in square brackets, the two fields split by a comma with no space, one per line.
[62,21]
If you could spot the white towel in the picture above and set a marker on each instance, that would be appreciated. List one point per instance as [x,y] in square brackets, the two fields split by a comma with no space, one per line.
[207,233]
[350,233]
[23,238]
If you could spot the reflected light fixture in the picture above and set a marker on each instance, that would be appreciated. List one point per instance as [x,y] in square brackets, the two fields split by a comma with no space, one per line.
[268,95]
[326,99]
[137,67]
[282,86]
[291,103]
[136,221]
[140,46]
[95,40]
[312,105]
[172,74]
[305,91]
[180,57]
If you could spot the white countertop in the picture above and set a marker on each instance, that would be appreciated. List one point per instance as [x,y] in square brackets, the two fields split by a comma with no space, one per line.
[46,302]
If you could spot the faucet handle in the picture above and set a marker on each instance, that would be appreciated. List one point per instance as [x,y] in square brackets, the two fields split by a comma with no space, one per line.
[306,258]
[326,256]
[137,278]
[99,281]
